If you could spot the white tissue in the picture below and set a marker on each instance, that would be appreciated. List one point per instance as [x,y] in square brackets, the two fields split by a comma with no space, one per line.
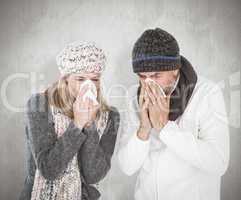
[91,92]
[150,80]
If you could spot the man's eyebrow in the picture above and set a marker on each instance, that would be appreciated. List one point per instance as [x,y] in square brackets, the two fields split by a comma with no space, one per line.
[157,73]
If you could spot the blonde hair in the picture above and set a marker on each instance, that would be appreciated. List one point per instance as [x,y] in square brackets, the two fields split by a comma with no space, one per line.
[59,96]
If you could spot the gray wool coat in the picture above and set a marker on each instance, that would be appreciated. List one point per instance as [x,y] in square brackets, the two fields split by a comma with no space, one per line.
[51,155]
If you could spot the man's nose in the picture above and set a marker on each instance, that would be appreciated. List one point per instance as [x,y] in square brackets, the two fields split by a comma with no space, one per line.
[148,78]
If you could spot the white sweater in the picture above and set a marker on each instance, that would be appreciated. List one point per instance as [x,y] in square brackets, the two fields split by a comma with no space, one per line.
[187,158]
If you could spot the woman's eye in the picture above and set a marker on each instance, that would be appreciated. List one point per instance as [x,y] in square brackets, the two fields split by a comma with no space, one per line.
[95,79]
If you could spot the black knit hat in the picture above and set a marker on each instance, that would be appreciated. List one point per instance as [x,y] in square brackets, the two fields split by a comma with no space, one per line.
[155,50]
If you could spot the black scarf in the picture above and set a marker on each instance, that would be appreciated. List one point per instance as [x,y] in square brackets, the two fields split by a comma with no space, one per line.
[183,91]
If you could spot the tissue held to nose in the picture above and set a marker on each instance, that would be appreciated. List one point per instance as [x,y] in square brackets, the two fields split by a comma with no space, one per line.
[150,80]
[91,92]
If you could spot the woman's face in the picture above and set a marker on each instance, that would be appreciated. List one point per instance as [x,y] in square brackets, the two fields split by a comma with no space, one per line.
[75,81]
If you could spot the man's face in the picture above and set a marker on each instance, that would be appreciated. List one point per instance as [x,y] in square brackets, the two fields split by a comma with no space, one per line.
[166,79]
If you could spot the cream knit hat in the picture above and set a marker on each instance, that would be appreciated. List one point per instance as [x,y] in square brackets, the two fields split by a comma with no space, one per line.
[81,57]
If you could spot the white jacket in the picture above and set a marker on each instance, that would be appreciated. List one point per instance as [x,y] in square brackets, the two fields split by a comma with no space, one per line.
[187,158]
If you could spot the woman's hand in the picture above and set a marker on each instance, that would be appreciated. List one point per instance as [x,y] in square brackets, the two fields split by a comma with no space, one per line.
[145,124]
[159,106]
[84,111]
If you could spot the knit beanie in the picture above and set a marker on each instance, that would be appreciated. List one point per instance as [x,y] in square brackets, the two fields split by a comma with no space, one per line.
[155,50]
[79,57]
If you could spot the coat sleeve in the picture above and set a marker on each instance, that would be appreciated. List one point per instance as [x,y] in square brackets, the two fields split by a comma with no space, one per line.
[51,154]
[95,155]
[210,151]
[132,151]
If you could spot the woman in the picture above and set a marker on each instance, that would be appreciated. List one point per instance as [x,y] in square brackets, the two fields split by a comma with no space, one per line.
[70,134]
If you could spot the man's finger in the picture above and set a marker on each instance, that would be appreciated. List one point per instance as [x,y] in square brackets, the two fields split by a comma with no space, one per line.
[153,89]
[158,91]
[164,104]
[147,101]
[160,103]
[151,95]
[141,97]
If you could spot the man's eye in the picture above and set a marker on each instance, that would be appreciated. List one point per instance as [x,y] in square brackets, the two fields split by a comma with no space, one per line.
[157,75]
[80,79]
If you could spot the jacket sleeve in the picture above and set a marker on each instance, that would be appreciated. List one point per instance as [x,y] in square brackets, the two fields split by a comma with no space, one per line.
[95,155]
[51,154]
[29,171]
[210,151]
[132,151]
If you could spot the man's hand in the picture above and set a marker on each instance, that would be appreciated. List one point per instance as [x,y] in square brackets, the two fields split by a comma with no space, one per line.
[145,124]
[159,106]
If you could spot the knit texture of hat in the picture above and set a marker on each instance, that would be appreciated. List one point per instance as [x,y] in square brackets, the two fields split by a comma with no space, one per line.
[155,50]
[81,57]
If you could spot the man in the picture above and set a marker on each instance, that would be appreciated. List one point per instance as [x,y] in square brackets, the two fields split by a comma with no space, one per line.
[178,140]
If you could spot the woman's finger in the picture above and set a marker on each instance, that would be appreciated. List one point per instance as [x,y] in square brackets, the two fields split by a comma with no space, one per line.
[84,105]
[82,92]
[91,104]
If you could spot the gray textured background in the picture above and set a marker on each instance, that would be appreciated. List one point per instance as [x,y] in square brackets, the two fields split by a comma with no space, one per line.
[32,32]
